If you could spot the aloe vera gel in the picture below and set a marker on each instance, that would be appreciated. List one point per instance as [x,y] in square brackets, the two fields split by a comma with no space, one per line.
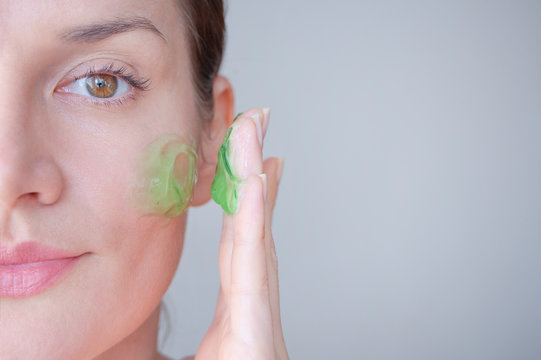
[225,186]
[166,177]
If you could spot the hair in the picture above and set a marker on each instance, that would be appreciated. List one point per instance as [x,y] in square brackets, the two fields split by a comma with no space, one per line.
[205,31]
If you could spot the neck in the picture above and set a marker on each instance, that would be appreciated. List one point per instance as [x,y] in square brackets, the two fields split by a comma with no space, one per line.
[139,345]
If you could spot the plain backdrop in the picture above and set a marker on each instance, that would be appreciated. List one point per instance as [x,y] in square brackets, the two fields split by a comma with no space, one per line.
[408,223]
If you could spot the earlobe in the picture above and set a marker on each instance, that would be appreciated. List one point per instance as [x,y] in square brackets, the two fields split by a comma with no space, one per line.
[213,132]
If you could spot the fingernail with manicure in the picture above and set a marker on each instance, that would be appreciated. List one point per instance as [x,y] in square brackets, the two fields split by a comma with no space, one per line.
[266,115]
[259,126]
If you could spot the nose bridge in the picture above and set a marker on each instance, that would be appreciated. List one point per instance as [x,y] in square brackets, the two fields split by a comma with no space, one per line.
[25,167]
[15,145]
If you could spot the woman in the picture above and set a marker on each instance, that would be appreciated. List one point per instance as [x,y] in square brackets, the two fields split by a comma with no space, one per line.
[112,118]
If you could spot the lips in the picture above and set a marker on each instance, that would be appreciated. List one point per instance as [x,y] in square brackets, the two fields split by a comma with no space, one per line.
[29,252]
[29,268]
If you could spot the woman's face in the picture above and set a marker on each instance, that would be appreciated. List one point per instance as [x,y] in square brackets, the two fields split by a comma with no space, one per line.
[72,162]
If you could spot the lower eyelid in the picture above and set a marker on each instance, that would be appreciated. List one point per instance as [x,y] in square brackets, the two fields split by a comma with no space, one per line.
[110,102]
[76,99]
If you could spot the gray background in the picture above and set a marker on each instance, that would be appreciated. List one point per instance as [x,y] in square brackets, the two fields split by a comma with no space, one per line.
[408,224]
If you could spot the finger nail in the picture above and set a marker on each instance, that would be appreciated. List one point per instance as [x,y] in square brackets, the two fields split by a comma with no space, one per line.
[259,126]
[280,169]
[264,178]
[266,118]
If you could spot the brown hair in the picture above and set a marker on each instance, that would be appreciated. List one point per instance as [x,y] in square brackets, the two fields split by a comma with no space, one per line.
[205,28]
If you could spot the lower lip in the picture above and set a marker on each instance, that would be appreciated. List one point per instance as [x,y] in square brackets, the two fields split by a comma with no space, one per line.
[24,280]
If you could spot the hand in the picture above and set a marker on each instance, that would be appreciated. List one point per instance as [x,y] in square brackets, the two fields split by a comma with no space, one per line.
[247,322]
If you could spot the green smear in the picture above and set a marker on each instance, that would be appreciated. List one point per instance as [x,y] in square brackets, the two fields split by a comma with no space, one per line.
[162,188]
[225,185]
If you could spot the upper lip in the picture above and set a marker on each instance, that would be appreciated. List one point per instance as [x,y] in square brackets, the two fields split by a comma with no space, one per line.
[30,252]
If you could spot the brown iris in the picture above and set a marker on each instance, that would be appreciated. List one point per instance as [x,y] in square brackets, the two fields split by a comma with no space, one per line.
[102,86]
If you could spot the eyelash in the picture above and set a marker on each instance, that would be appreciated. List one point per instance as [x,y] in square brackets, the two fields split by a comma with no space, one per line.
[139,84]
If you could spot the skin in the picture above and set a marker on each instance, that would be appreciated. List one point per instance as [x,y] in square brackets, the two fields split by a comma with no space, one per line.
[68,178]
[165,179]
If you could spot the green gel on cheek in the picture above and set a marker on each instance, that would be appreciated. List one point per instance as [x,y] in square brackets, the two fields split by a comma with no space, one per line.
[224,189]
[166,178]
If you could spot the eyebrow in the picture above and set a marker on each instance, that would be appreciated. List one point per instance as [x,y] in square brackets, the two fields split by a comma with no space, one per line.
[92,33]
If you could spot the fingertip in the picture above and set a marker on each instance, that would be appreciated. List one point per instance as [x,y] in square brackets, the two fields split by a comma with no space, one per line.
[245,150]
[258,122]
[270,165]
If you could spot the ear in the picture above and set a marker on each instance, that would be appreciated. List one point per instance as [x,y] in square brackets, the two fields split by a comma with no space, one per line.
[212,137]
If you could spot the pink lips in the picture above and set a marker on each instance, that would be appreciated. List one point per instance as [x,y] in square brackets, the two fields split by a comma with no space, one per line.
[29,268]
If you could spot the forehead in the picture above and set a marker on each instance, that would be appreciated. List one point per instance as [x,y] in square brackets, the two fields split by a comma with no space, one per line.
[45,20]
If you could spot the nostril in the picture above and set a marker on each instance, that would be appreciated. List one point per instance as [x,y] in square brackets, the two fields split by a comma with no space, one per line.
[36,180]
[31,196]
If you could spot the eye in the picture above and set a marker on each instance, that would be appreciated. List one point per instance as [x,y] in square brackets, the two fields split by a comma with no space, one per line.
[103,86]
[98,86]
[111,85]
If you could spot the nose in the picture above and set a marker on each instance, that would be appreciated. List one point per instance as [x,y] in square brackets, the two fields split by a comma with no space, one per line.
[23,172]
[27,168]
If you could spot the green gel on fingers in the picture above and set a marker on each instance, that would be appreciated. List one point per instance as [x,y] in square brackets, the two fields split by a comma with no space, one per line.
[166,178]
[224,189]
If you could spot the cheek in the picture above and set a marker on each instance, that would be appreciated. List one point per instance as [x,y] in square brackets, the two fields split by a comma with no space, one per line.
[166,171]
